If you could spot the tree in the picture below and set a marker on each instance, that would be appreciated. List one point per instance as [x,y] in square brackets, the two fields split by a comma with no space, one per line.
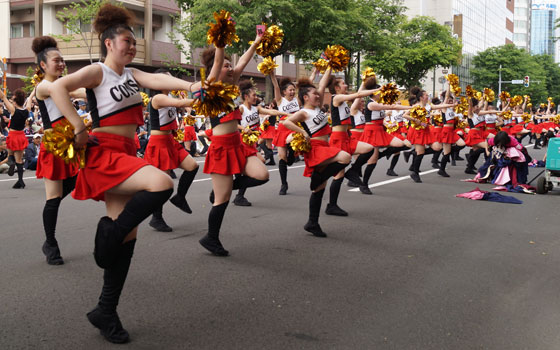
[77,19]
[516,63]
[552,75]
[417,46]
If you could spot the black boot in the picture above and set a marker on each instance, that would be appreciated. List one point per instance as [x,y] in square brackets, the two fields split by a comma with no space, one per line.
[312,224]
[470,162]
[111,233]
[212,241]
[394,161]
[367,175]
[283,170]
[157,222]
[19,184]
[332,207]
[353,174]
[179,200]
[415,175]
[268,154]
[318,177]
[104,316]
[443,164]
[435,157]
[11,165]
[50,216]
[240,199]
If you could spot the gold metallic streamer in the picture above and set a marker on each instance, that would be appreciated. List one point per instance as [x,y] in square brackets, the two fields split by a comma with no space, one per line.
[218,97]
[222,33]
[60,141]
[250,137]
[368,73]
[271,41]
[504,95]
[338,57]
[421,114]
[489,95]
[267,66]
[299,143]
[388,94]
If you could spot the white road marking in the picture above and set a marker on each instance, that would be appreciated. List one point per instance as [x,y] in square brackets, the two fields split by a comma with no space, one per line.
[386,182]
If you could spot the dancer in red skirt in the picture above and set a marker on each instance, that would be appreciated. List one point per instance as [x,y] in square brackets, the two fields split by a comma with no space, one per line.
[396,118]
[131,188]
[59,177]
[16,140]
[449,137]
[189,132]
[268,131]
[226,156]
[323,160]
[165,153]
[340,137]
[475,138]
[250,121]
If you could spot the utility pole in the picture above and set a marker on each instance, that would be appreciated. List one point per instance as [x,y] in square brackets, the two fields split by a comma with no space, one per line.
[500,80]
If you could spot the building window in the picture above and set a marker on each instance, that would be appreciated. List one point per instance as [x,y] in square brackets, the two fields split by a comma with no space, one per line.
[289,58]
[16,31]
[32,29]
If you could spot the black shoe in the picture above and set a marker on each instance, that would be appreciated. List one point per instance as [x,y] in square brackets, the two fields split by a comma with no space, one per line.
[160,225]
[283,190]
[333,209]
[211,197]
[442,172]
[470,171]
[353,176]
[391,172]
[172,174]
[415,177]
[53,254]
[109,326]
[181,203]
[107,246]
[241,201]
[406,155]
[315,229]
[19,184]
[435,165]
[365,190]
[213,245]
[352,184]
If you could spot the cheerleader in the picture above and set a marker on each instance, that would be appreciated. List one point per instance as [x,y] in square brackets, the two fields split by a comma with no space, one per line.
[16,140]
[395,119]
[449,137]
[287,102]
[165,153]
[340,137]
[268,130]
[131,188]
[59,177]
[250,122]
[323,160]
[475,138]
[189,133]
[226,157]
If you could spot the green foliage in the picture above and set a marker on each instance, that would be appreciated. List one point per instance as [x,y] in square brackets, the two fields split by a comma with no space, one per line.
[417,46]
[77,19]
[516,64]
[29,72]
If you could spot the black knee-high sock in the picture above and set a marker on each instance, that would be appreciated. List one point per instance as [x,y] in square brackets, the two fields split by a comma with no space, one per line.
[290,156]
[315,205]
[158,213]
[444,161]
[334,190]
[394,161]
[267,151]
[215,219]
[138,208]
[392,150]
[475,155]
[283,170]
[435,157]
[50,216]
[20,171]
[202,140]
[417,163]
[367,173]
[429,151]
[68,185]
[360,161]
[185,182]
[244,181]
[241,192]
[114,278]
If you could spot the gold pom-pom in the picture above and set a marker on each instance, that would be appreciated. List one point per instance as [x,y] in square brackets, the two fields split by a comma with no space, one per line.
[453,80]
[321,64]
[489,95]
[145,98]
[271,41]
[299,143]
[388,94]
[267,66]
[549,99]
[504,95]
[189,120]
[338,57]
[543,105]
[506,115]
[391,127]
[552,105]
[179,93]
[265,124]
[222,33]
[470,92]
[421,114]
[60,141]
[368,73]
[250,137]
[179,135]
[516,101]
[526,117]
[38,76]
[556,119]
[216,97]
[462,107]
[527,97]
[438,118]
[529,105]
[462,123]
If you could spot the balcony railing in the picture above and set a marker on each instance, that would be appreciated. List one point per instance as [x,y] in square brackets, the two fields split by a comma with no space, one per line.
[76,49]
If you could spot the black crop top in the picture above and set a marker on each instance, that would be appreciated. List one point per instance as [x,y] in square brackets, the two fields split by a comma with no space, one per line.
[18,119]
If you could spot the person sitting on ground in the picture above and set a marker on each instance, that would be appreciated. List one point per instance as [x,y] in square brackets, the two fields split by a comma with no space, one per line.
[3,155]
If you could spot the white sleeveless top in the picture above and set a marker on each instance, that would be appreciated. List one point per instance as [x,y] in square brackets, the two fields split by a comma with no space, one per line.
[250,117]
[316,121]
[289,107]
[477,119]
[359,119]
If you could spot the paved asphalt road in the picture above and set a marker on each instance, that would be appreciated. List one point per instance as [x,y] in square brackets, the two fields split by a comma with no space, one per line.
[412,267]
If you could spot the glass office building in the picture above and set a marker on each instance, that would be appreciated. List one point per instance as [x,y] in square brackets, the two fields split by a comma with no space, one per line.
[522,24]
[543,16]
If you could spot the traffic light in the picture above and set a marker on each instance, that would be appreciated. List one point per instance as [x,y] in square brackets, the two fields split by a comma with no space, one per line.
[526,81]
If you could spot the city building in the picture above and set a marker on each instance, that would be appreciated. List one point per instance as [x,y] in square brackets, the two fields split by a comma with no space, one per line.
[543,32]
[478,24]
[522,24]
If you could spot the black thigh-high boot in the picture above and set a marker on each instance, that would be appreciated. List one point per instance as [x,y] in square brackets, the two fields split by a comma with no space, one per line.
[179,199]
[415,175]
[212,239]
[111,233]
[50,216]
[312,224]
[367,175]
[332,206]
[443,164]
[354,172]
[157,222]
[283,170]
[435,157]
[394,161]
[318,177]
[104,316]
[19,183]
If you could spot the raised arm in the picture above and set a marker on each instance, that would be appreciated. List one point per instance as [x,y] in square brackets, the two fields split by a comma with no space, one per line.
[267,111]
[313,74]
[161,101]
[160,81]
[277,92]
[7,103]
[323,85]
[338,99]
[29,100]
[354,107]
[244,60]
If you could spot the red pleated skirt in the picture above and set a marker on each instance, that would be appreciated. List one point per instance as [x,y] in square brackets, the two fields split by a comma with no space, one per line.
[54,168]
[281,135]
[164,152]
[108,164]
[448,135]
[268,133]
[375,134]
[474,137]
[190,133]
[355,137]
[16,140]
[341,140]
[226,155]
[506,128]
[435,132]
[248,150]
[320,151]
[419,137]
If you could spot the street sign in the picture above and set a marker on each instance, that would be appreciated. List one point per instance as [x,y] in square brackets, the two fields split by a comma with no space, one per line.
[519,82]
